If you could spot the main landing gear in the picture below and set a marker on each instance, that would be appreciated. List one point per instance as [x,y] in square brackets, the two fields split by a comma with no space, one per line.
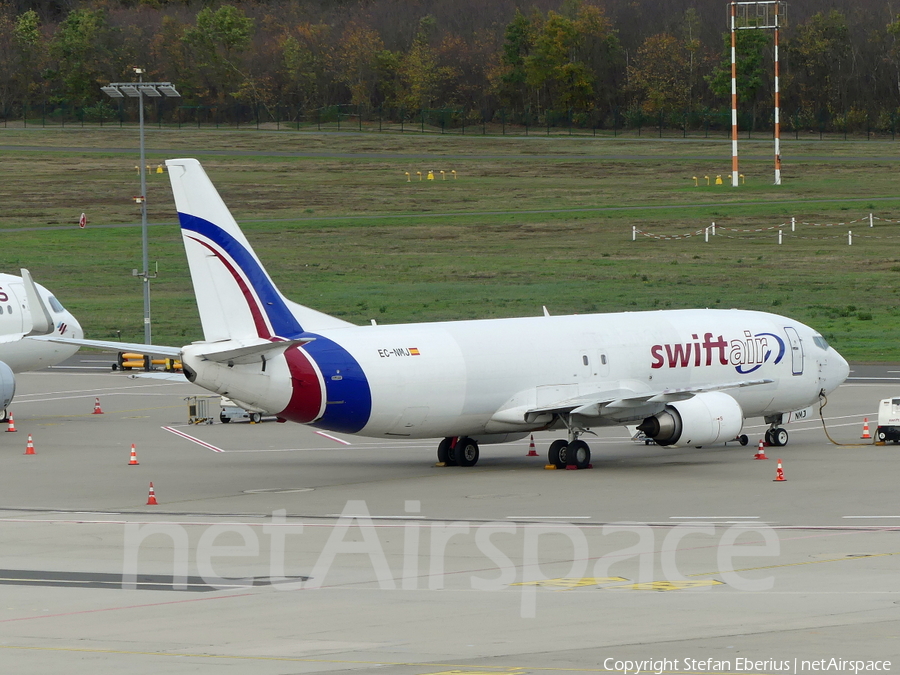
[458,451]
[571,454]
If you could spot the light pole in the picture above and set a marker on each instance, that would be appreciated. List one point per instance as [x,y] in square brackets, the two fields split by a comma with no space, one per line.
[137,90]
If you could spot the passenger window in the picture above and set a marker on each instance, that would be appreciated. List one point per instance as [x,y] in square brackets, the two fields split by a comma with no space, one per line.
[584,359]
[603,359]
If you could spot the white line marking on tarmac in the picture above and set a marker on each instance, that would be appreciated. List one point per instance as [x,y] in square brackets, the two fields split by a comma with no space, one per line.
[334,438]
[712,517]
[193,440]
[866,517]
[353,515]
[548,517]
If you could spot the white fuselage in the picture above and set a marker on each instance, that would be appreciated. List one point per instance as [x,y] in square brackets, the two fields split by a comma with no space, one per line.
[21,353]
[479,378]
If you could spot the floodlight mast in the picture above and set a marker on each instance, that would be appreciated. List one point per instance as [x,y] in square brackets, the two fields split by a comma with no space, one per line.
[155,90]
[766,14]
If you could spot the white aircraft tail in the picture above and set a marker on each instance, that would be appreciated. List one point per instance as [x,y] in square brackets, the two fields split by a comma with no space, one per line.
[235,295]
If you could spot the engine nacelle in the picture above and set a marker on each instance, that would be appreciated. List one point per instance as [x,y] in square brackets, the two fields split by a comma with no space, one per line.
[7,385]
[711,417]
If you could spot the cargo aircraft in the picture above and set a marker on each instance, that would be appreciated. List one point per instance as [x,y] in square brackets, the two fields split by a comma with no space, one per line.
[683,377]
[28,309]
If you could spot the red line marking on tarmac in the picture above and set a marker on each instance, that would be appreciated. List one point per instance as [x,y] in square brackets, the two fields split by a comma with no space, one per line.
[334,438]
[113,609]
[193,440]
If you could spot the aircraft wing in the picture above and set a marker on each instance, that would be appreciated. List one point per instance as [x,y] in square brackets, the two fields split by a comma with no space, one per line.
[609,403]
[613,403]
[12,337]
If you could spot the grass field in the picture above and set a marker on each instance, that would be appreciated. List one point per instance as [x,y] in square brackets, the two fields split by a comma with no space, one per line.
[525,222]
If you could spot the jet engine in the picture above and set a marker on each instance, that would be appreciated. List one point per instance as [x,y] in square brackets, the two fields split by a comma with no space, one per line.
[7,385]
[711,417]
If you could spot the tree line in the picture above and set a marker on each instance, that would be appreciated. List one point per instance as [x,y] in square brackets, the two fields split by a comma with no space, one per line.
[625,62]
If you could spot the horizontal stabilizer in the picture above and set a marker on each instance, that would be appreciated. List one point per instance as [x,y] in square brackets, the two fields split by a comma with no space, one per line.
[153,350]
[251,353]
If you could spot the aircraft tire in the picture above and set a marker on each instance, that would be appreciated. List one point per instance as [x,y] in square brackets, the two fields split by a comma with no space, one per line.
[578,454]
[466,452]
[445,452]
[777,437]
[557,454]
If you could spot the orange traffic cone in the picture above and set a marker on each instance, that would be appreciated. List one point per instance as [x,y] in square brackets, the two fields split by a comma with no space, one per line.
[133,461]
[779,473]
[531,451]
[12,423]
[97,410]
[760,451]
[866,428]
[29,446]
[151,498]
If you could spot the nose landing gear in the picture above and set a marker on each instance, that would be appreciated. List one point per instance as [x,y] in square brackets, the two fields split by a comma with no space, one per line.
[776,436]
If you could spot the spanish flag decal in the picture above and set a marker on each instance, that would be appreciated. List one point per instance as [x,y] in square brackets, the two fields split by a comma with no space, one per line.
[413,351]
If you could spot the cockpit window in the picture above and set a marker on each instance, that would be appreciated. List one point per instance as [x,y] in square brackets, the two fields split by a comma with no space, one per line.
[54,304]
[820,342]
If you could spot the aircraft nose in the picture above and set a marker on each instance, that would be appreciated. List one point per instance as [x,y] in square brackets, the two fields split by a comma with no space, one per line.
[837,371]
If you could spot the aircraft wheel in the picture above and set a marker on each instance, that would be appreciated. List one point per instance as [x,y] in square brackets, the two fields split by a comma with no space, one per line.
[446,454]
[557,455]
[579,454]
[466,452]
[743,440]
[777,437]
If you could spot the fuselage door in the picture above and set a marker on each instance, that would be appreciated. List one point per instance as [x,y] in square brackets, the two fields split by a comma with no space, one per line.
[796,350]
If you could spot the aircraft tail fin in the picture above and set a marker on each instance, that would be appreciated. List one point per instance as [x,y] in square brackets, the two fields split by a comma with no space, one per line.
[235,295]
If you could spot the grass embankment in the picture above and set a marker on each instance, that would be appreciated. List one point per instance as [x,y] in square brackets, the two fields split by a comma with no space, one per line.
[526,222]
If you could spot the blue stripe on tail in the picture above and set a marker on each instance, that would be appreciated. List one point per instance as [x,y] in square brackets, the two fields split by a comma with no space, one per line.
[284,323]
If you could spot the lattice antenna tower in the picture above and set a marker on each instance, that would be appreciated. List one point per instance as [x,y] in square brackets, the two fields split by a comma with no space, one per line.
[757,15]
